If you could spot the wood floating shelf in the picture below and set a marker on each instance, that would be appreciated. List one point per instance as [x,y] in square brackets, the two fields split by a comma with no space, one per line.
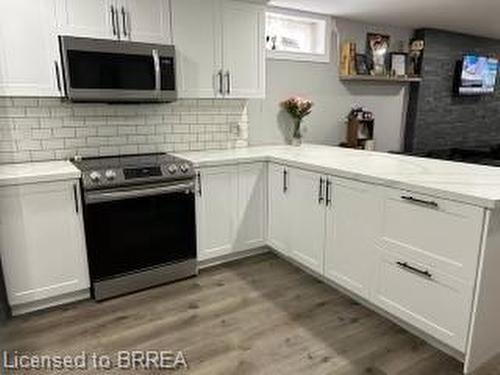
[370,78]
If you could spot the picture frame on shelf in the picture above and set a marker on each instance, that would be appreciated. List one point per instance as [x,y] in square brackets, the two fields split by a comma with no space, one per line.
[399,64]
[362,64]
[377,50]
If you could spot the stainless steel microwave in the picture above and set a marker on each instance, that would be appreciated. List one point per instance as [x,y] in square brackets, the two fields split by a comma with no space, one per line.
[98,70]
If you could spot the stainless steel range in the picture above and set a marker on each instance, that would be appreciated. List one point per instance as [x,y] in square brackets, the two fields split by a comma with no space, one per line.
[140,227]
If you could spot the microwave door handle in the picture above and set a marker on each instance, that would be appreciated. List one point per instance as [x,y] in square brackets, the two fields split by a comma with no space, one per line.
[156,60]
[113,23]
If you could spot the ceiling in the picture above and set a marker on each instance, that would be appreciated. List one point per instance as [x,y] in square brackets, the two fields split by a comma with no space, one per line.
[477,17]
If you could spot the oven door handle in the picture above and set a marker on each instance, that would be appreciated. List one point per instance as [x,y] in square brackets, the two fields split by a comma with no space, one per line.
[93,197]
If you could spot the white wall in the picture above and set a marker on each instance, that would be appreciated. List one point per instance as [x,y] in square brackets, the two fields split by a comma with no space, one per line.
[333,98]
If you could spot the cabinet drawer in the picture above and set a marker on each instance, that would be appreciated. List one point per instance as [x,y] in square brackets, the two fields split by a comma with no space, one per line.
[441,233]
[436,303]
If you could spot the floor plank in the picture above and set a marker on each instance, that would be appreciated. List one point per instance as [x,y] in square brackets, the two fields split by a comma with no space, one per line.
[260,315]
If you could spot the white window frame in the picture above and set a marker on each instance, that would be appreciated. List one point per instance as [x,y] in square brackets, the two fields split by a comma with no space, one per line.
[300,56]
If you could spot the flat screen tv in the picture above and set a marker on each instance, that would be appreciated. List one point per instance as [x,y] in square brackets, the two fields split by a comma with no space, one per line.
[477,75]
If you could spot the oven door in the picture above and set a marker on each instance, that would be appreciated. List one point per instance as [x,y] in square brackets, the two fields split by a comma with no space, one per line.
[117,71]
[135,229]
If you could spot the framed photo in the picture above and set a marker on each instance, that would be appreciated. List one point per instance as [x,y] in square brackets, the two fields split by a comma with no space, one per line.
[377,50]
[399,64]
[361,64]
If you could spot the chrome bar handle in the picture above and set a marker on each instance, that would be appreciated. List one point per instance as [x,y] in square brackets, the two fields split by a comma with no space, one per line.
[221,82]
[321,198]
[75,197]
[285,180]
[198,177]
[422,202]
[58,76]
[156,61]
[328,192]
[228,79]
[113,20]
[124,21]
[117,21]
[114,195]
[416,270]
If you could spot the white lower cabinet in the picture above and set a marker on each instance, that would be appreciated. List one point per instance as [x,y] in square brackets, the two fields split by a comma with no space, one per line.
[251,222]
[216,207]
[414,256]
[352,221]
[429,252]
[306,220]
[42,242]
[278,208]
[431,300]
[297,209]
[231,207]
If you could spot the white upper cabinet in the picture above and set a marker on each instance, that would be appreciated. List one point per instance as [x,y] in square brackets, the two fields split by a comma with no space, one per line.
[145,20]
[28,48]
[134,20]
[42,242]
[89,18]
[351,227]
[243,46]
[198,53]
[226,59]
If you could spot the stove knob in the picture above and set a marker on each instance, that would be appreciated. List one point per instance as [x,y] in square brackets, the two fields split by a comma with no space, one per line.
[184,168]
[172,168]
[95,176]
[110,174]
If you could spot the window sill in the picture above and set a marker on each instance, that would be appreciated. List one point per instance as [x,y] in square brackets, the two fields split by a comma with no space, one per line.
[294,56]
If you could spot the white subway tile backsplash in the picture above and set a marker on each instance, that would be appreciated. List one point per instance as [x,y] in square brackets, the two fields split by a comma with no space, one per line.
[63,132]
[33,129]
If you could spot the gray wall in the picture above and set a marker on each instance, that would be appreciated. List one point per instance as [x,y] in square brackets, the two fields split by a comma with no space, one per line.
[437,118]
[333,98]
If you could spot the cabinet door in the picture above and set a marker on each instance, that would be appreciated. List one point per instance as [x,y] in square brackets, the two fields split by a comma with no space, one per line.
[425,297]
[29,49]
[278,208]
[251,223]
[41,241]
[89,18]
[216,211]
[197,36]
[243,49]
[145,21]
[351,227]
[306,219]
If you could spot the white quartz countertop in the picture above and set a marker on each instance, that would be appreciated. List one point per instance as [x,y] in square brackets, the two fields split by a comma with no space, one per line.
[474,184]
[27,173]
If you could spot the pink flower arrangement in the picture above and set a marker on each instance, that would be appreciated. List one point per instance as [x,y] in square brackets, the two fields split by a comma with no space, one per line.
[297,107]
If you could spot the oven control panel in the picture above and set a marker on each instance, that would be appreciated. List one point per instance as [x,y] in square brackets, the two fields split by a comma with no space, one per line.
[104,178]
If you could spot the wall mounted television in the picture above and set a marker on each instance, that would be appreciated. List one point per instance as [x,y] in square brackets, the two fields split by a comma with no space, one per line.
[476,75]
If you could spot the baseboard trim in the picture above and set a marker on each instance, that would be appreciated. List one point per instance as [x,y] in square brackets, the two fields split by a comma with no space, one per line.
[46,303]
[203,264]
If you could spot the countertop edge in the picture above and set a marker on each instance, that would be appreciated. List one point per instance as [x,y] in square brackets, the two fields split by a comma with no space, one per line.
[37,172]
[386,182]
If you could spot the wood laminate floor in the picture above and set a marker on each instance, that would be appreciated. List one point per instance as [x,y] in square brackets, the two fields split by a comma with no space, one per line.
[260,315]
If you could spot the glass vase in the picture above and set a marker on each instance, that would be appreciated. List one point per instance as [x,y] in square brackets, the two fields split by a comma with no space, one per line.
[297,134]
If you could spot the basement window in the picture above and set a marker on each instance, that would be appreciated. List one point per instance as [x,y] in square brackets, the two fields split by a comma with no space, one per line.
[293,35]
